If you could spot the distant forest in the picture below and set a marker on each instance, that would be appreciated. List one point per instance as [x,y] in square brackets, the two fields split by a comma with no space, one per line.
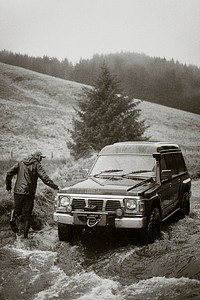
[156,80]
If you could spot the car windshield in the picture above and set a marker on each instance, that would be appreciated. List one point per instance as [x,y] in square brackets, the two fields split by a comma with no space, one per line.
[124,165]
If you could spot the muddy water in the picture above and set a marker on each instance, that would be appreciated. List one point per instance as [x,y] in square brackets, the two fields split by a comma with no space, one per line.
[43,268]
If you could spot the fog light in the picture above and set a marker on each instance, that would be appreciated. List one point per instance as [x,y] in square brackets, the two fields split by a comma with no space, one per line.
[69,208]
[119,212]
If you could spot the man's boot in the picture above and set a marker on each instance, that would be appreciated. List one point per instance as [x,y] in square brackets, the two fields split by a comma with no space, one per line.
[26,228]
[13,224]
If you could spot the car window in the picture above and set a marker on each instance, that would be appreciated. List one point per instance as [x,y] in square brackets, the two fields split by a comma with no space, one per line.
[163,163]
[180,162]
[171,163]
[124,162]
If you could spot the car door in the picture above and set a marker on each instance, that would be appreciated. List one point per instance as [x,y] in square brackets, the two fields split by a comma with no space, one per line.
[170,186]
[165,190]
[181,169]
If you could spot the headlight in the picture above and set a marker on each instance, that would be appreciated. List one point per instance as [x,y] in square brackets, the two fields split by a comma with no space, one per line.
[130,204]
[64,201]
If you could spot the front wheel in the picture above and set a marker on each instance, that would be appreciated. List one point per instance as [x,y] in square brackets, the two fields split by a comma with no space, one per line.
[153,230]
[65,233]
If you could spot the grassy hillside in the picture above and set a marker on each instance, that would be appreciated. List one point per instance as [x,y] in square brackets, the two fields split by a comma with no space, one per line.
[36,112]
[37,109]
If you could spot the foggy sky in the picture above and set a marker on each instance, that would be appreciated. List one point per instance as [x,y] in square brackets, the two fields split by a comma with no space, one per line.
[75,29]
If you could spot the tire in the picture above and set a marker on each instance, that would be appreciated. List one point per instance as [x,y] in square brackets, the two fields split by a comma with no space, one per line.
[153,230]
[184,206]
[65,233]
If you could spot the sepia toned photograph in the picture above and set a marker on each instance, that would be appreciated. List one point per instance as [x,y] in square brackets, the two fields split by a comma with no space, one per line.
[99,149]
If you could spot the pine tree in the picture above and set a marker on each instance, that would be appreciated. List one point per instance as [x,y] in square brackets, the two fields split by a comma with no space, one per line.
[105,116]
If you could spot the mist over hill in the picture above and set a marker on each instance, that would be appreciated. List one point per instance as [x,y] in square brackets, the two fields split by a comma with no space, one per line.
[153,79]
[37,110]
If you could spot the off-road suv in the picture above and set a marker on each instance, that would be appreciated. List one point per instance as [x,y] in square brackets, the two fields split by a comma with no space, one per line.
[131,185]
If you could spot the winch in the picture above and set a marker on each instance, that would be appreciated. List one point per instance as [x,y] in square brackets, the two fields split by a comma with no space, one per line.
[92,221]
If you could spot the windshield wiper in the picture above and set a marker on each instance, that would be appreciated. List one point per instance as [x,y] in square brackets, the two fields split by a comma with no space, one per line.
[107,171]
[140,183]
[136,172]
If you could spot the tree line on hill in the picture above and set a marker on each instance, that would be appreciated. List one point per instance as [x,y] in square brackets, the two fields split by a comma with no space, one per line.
[155,79]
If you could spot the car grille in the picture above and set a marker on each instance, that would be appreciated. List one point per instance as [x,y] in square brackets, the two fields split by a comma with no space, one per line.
[78,203]
[98,203]
[110,205]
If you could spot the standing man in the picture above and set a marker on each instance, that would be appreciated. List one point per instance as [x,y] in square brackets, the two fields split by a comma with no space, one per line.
[27,172]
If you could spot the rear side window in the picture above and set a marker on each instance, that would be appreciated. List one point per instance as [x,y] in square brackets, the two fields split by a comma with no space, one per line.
[180,162]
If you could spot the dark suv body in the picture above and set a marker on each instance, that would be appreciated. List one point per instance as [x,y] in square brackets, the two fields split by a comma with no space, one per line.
[131,185]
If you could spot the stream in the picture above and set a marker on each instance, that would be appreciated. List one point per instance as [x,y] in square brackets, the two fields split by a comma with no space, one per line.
[44,268]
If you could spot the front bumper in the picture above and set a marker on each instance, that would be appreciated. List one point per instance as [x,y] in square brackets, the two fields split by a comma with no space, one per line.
[134,222]
[138,222]
[63,218]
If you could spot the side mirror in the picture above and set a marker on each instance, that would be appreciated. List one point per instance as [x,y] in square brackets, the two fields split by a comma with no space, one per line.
[166,174]
[157,156]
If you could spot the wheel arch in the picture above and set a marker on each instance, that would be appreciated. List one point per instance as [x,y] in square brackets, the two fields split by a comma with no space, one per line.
[186,187]
[156,202]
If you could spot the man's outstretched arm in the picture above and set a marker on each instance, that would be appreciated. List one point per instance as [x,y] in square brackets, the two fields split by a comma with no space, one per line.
[13,171]
[45,178]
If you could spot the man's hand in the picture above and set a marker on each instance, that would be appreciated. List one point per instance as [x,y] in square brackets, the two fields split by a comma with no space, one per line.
[58,188]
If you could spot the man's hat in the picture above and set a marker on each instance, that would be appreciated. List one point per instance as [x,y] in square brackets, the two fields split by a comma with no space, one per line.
[38,154]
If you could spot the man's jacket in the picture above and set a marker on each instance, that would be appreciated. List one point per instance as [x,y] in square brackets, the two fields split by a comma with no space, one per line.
[27,172]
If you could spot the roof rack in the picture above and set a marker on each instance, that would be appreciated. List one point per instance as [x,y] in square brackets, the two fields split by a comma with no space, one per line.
[138,147]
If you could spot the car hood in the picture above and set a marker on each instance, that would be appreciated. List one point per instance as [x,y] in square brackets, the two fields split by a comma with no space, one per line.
[111,186]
